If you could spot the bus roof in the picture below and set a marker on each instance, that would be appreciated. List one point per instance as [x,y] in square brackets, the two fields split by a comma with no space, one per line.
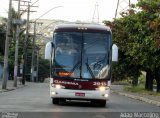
[82,26]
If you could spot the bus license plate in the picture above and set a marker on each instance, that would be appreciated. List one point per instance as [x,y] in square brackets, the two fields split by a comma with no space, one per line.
[79,94]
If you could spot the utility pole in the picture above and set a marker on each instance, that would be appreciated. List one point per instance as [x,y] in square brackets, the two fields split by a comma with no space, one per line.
[37,62]
[26,39]
[8,35]
[95,17]
[16,50]
[33,54]
[122,5]
[18,23]
[33,64]
[25,46]
[116,9]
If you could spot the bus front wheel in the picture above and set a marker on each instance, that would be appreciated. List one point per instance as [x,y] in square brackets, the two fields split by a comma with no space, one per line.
[55,100]
[101,103]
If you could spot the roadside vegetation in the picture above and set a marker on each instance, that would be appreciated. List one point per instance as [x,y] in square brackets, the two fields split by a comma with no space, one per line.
[43,64]
[139,88]
[137,34]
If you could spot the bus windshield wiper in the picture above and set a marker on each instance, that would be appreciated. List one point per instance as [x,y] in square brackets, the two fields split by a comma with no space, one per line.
[90,71]
[75,66]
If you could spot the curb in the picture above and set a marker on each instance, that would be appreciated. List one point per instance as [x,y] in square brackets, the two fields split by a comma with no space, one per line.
[157,103]
[6,90]
[11,89]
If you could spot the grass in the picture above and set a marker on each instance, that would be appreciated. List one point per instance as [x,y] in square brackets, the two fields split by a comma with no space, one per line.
[140,89]
[130,88]
[123,82]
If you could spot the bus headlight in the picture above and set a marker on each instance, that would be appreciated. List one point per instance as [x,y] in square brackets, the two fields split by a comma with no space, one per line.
[102,88]
[57,86]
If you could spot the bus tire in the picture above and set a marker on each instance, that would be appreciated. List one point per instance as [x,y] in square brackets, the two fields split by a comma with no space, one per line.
[55,100]
[102,103]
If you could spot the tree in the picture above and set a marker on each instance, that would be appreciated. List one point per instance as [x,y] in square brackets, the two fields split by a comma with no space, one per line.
[137,35]
[2,35]
[150,30]
[12,41]
[43,69]
[126,66]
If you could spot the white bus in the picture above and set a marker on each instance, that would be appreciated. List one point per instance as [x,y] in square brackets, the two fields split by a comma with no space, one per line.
[81,59]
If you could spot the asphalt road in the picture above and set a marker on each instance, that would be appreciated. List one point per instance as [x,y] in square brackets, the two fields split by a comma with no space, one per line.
[33,99]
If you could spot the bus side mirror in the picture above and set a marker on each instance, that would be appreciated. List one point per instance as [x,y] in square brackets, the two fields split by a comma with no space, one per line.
[48,50]
[114,53]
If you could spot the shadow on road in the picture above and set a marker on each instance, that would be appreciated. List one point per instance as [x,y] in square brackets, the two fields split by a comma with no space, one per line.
[78,103]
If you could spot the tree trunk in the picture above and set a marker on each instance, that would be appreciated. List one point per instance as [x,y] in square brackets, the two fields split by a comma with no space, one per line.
[135,81]
[157,77]
[158,84]
[149,80]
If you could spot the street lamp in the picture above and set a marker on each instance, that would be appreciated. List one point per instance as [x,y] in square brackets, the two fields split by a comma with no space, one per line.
[33,51]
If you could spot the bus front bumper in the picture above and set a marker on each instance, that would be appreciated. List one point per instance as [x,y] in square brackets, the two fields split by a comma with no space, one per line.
[79,94]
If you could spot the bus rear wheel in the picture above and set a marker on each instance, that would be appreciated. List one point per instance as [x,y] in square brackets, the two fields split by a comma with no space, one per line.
[55,100]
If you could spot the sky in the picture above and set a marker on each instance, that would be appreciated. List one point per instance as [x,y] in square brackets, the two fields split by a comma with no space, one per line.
[70,10]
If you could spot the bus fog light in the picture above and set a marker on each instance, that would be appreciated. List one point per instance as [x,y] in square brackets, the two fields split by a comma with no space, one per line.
[106,95]
[53,93]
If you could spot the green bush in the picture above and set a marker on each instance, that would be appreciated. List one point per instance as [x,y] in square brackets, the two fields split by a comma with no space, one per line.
[139,88]
[44,69]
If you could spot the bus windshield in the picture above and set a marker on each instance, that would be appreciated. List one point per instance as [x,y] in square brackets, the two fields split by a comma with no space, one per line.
[82,55]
